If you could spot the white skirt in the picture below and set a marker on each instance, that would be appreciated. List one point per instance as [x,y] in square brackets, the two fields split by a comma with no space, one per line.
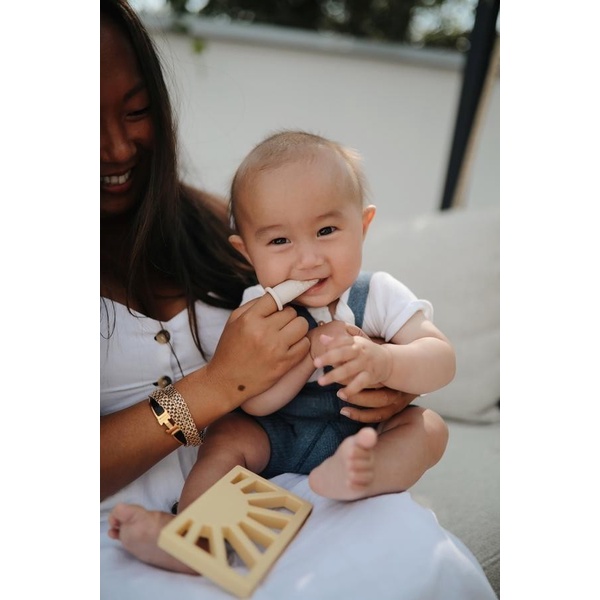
[386,547]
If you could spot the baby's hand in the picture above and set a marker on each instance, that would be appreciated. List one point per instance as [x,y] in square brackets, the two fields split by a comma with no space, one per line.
[337,330]
[357,362]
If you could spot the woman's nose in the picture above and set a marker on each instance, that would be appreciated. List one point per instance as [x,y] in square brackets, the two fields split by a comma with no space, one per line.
[115,145]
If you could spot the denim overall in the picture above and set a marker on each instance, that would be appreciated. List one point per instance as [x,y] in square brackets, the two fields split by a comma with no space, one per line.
[308,429]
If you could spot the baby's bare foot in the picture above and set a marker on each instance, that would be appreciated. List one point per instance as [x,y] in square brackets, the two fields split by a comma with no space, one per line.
[138,530]
[347,474]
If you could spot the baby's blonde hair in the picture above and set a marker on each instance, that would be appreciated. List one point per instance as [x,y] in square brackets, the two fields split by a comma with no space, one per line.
[288,146]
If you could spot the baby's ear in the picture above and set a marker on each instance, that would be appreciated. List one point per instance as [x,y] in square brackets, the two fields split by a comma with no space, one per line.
[238,243]
[367,217]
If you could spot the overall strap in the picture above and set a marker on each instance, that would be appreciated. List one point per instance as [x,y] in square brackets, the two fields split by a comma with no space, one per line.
[357,300]
[303,312]
[358,296]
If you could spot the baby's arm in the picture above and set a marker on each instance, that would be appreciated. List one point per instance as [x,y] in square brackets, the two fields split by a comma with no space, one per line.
[282,392]
[291,383]
[417,360]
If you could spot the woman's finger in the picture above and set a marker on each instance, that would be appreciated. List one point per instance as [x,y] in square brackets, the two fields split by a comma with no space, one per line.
[373,406]
[295,329]
[264,306]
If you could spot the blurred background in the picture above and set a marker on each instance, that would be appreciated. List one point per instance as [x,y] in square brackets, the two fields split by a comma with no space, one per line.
[413,85]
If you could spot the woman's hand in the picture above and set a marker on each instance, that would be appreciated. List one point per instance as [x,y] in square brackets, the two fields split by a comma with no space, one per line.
[259,344]
[257,347]
[373,406]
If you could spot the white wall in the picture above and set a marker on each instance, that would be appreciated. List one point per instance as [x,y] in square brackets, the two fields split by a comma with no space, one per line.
[398,112]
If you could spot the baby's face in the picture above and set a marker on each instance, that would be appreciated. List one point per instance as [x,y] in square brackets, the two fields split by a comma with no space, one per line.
[302,221]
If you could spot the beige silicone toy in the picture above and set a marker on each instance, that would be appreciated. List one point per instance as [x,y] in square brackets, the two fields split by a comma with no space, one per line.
[288,290]
[257,518]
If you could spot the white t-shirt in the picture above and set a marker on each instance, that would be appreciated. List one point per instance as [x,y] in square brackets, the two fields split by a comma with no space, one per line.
[131,360]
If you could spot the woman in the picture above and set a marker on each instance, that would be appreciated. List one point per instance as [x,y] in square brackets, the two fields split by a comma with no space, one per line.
[169,280]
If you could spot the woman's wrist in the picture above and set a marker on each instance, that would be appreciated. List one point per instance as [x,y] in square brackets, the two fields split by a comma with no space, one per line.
[206,396]
[172,412]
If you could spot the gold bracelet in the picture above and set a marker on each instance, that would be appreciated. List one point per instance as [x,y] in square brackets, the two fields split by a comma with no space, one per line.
[175,416]
[164,418]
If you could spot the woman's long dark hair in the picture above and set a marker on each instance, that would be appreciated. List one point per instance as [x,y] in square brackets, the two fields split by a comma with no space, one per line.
[179,232]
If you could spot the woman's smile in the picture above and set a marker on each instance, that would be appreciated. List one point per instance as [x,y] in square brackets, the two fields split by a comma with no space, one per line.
[116,184]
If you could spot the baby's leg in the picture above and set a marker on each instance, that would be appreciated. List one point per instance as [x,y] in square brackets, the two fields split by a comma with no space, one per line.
[367,465]
[234,440]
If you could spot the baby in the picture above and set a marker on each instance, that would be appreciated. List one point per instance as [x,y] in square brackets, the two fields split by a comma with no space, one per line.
[299,211]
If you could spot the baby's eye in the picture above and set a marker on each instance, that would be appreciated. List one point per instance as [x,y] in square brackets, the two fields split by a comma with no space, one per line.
[326,230]
[278,241]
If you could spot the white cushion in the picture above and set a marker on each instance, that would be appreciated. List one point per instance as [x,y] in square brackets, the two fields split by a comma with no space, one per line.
[452,258]
[463,490]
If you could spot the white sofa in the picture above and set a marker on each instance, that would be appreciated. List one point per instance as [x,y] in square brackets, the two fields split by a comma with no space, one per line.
[452,258]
